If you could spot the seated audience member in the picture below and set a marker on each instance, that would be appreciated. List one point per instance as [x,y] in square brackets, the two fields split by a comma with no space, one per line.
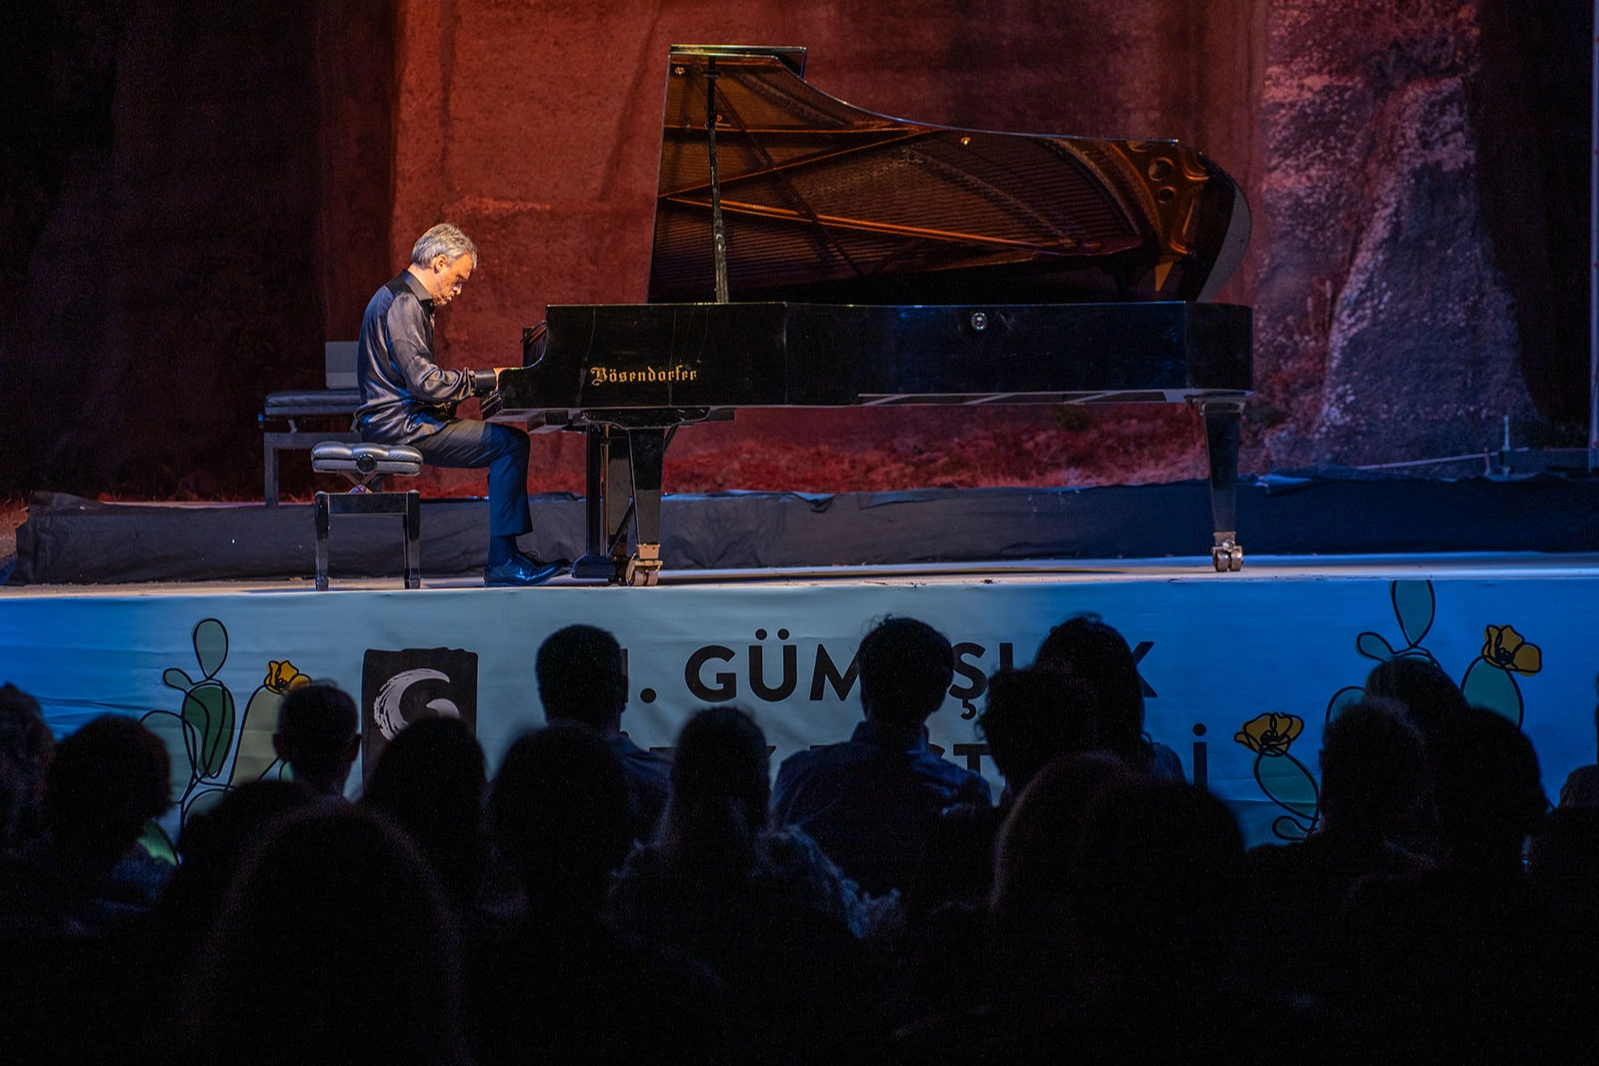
[765,909]
[1033,863]
[582,678]
[1430,696]
[74,901]
[1373,786]
[1116,901]
[1029,718]
[871,801]
[319,736]
[1464,962]
[212,846]
[1563,866]
[333,944]
[430,781]
[954,968]
[560,814]
[1582,784]
[26,745]
[105,782]
[562,984]
[1156,896]
[1085,648]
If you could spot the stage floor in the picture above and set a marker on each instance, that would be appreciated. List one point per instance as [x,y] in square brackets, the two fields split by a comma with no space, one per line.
[1227,659]
[1503,565]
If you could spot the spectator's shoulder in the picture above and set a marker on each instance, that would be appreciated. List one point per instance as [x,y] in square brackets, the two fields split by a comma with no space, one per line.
[810,759]
[1581,788]
[969,786]
[974,788]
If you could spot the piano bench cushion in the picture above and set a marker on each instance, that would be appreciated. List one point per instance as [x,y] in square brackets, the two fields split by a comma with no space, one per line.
[336,458]
[312,402]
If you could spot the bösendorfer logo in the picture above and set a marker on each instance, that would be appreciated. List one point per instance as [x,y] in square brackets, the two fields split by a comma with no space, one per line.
[610,375]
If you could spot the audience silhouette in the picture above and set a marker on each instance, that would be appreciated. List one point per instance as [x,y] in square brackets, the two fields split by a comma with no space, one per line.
[74,984]
[26,746]
[1084,647]
[105,782]
[765,909]
[333,944]
[430,781]
[1465,962]
[1029,718]
[561,983]
[1429,695]
[1374,790]
[597,904]
[582,677]
[872,801]
[1582,784]
[318,736]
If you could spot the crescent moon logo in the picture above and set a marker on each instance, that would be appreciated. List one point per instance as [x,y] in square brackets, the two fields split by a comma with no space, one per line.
[386,709]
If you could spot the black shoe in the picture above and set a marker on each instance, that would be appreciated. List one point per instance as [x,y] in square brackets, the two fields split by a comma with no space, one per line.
[520,570]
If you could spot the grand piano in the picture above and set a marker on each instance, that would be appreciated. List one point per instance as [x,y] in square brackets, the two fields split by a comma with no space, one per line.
[810,253]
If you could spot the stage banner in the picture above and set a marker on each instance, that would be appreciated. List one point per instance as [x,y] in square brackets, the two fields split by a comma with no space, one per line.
[1241,673]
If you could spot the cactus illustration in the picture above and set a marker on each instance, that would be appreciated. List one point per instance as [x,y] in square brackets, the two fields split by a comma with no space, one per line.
[157,844]
[1489,681]
[256,757]
[1415,606]
[1283,778]
[207,704]
[214,749]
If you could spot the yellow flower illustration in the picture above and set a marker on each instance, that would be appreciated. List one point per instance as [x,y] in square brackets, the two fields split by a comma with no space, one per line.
[1270,734]
[282,676]
[1505,648]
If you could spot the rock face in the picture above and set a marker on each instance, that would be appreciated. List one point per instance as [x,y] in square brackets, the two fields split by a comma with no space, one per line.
[1386,329]
[196,204]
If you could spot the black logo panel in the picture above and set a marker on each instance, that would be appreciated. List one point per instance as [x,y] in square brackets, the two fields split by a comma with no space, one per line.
[401,687]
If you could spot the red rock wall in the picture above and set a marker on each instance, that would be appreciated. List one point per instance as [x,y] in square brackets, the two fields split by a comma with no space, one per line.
[1387,329]
[196,197]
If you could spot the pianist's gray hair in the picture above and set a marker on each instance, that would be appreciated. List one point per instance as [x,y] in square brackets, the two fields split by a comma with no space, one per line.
[443,239]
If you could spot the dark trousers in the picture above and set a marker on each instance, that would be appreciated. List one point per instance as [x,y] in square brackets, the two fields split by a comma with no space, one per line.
[469,443]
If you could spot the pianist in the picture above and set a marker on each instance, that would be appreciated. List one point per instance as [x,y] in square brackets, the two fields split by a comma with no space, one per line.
[407,398]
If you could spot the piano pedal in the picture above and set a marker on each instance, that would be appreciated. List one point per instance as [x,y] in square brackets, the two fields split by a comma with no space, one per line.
[1228,554]
[597,568]
[643,569]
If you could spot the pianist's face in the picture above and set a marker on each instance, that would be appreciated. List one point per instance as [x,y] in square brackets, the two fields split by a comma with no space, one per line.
[445,278]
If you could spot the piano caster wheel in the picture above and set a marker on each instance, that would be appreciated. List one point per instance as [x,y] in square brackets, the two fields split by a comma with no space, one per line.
[1227,556]
[644,568]
[641,573]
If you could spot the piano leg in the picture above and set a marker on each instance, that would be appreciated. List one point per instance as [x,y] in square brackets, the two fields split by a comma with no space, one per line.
[1223,419]
[647,449]
[605,510]
[597,454]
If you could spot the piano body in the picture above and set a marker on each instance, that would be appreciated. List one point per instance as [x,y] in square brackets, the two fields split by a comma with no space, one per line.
[809,253]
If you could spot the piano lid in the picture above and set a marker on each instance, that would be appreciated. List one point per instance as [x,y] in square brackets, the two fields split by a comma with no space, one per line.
[823,201]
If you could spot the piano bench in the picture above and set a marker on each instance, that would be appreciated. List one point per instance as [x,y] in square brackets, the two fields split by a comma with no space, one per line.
[365,465]
[282,429]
